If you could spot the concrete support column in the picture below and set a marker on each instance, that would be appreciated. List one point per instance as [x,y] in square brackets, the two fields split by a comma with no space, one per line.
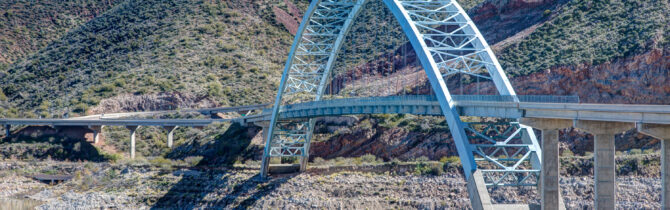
[605,164]
[265,163]
[304,159]
[550,190]
[661,132]
[8,131]
[604,173]
[132,140]
[170,134]
[551,193]
[97,130]
[479,195]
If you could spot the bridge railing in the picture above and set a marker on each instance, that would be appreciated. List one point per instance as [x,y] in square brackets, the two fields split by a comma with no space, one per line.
[522,98]
[413,99]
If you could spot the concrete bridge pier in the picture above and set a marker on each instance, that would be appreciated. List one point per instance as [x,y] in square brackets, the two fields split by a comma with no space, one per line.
[170,134]
[8,131]
[132,129]
[265,163]
[97,130]
[661,132]
[549,187]
[604,162]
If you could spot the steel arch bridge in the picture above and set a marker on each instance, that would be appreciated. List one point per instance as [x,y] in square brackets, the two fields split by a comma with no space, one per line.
[446,42]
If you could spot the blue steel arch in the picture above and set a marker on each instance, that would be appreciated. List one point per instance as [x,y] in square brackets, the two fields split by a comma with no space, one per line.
[446,41]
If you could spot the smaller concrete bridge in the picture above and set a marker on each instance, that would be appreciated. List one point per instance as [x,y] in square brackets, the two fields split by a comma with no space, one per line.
[97,122]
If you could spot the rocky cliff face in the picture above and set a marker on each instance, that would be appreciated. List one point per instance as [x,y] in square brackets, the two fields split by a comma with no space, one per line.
[382,141]
[640,79]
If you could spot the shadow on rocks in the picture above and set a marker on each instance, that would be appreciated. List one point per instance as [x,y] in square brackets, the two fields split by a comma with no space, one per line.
[224,149]
[211,184]
[218,190]
[63,143]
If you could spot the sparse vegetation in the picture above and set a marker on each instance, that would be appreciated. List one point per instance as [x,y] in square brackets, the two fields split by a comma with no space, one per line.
[591,32]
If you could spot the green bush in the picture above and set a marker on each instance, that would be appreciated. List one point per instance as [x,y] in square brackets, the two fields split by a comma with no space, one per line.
[648,151]
[214,89]
[3,97]
[568,153]
[161,162]
[290,160]
[193,160]
[80,108]
[450,160]
[319,161]
[369,158]
[112,157]
[421,159]
[435,169]
[635,152]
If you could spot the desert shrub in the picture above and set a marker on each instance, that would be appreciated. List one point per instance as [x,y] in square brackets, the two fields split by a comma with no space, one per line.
[341,161]
[567,153]
[275,160]
[161,162]
[3,97]
[648,151]
[369,158]
[319,161]
[635,152]
[80,108]
[193,160]
[112,157]
[290,160]
[214,89]
[421,159]
[450,160]
[429,169]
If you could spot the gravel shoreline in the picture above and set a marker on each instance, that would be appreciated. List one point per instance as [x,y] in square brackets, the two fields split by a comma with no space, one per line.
[105,186]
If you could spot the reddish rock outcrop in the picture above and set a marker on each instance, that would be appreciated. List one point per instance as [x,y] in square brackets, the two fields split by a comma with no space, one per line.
[290,21]
[385,143]
[640,79]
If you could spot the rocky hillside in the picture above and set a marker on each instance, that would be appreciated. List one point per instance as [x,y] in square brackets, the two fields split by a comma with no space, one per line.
[28,26]
[227,51]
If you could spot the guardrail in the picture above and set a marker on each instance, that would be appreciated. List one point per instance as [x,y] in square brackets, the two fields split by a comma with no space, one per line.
[431,99]
[521,98]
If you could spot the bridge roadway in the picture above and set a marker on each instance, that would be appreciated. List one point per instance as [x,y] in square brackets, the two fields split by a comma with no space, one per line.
[483,106]
[548,114]
[96,122]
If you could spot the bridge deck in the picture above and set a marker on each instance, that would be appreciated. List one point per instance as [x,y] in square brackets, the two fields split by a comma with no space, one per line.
[482,106]
[112,122]
[426,105]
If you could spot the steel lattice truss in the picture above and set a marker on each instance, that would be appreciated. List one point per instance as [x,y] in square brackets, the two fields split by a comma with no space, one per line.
[452,41]
[312,59]
[317,46]
[504,153]
[446,42]
[290,138]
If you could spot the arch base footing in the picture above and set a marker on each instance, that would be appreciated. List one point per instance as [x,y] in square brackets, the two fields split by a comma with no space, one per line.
[481,200]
